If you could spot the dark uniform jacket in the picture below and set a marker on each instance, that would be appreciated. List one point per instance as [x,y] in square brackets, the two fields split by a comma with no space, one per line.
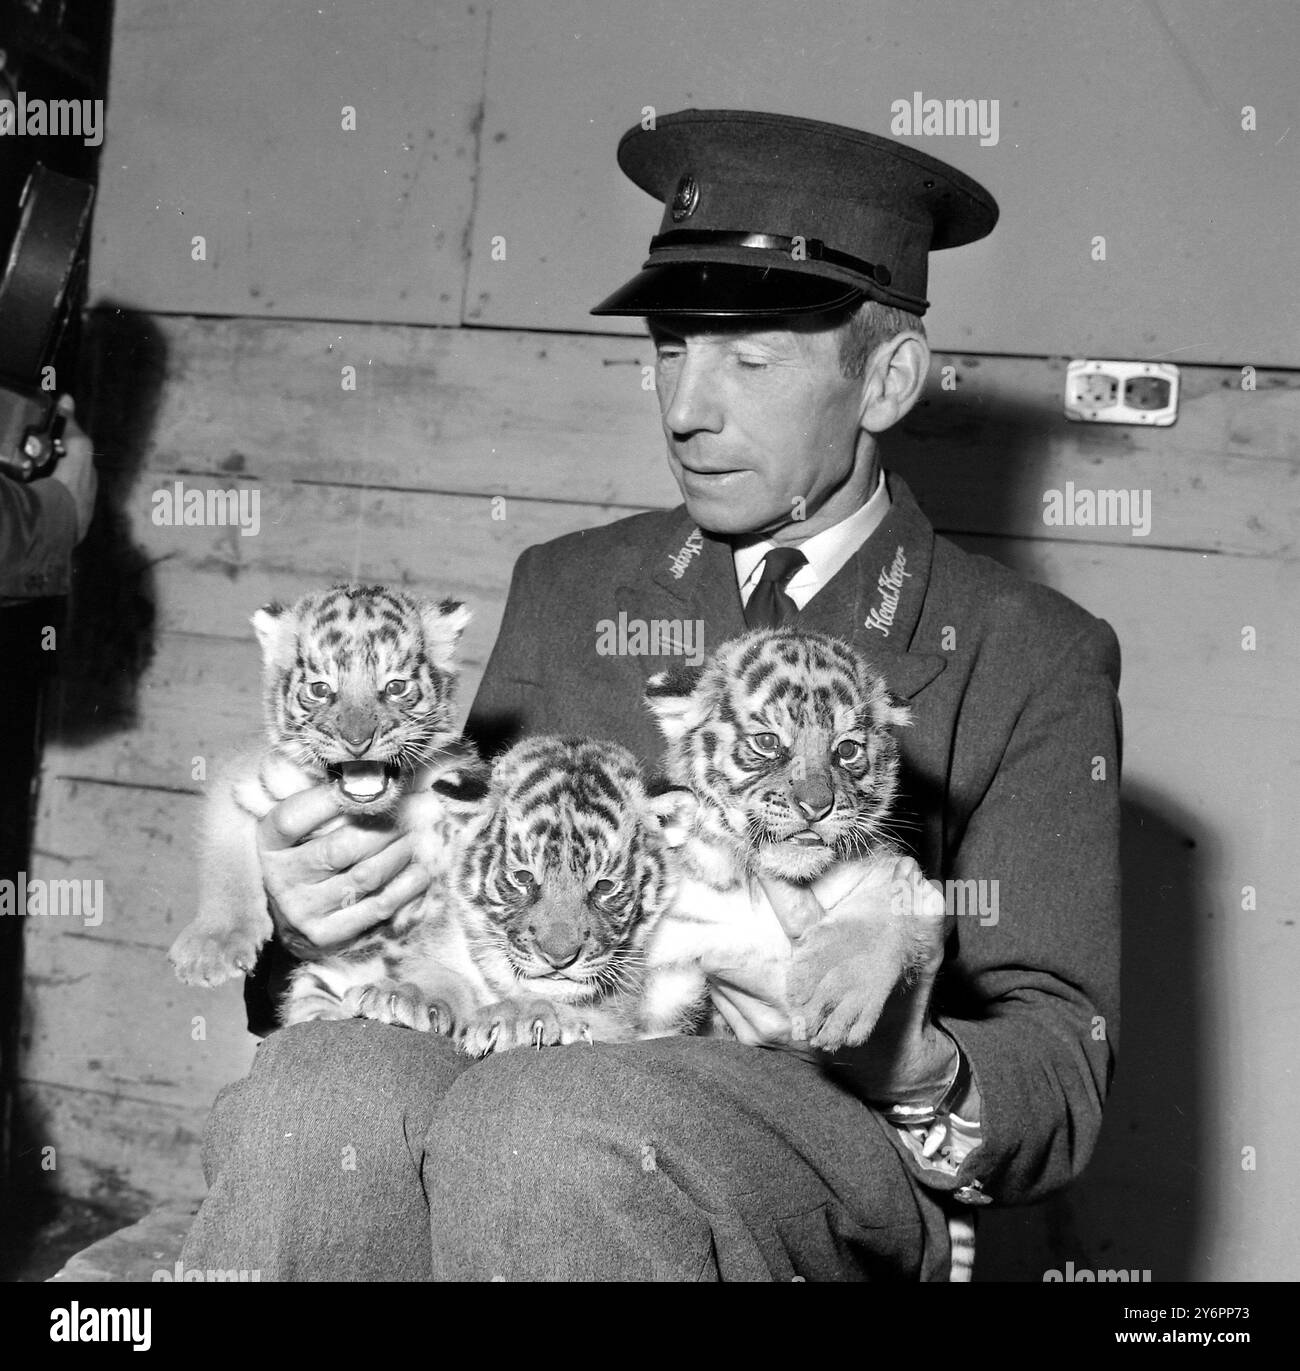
[38,529]
[1010,772]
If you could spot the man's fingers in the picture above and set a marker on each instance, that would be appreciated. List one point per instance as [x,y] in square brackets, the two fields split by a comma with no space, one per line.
[289,822]
[369,876]
[373,873]
[343,924]
[343,851]
[796,907]
[752,1020]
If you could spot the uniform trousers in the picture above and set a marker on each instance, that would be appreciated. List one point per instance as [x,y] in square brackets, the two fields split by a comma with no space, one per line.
[359,1151]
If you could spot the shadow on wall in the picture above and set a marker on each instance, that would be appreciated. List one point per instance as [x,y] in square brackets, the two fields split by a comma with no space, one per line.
[105,642]
[109,639]
[1138,1206]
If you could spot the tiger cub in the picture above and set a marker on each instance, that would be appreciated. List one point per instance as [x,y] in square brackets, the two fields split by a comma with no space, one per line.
[536,935]
[358,685]
[783,739]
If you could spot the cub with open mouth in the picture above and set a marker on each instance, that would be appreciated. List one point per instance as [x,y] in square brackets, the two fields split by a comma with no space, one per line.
[358,691]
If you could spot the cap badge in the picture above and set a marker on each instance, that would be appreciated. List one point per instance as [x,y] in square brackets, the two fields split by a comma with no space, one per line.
[686,197]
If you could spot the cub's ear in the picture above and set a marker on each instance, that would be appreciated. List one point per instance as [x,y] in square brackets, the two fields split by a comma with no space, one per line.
[896,715]
[276,630]
[671,697]
[443,624]
[676,810]
[887,710]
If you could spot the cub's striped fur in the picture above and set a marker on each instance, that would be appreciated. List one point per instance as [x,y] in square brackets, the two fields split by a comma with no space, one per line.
[358,686]
[536,933]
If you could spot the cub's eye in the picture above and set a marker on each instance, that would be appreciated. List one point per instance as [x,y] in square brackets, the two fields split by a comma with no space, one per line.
[604,888]
[318,690]
[849,750]
[765,744]
[525,880]
[396,688]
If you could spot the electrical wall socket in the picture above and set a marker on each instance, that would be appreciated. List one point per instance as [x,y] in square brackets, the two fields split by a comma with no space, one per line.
[1121,392]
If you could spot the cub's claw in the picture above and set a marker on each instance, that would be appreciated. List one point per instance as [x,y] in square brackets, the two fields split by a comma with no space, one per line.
[526,1022]
[402,1007]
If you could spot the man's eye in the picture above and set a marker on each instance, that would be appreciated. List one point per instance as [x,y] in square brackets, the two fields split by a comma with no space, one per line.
[765,744]
[318,690]
[752,363]
[396,688]
[849,750]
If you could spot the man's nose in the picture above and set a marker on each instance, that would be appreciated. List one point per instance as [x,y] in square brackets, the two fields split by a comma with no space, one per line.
[690,402]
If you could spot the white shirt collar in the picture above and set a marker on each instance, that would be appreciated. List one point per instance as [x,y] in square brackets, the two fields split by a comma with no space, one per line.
[826,551]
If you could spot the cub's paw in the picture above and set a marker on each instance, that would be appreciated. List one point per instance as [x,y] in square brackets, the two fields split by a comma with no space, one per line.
[201,957]
[402,1005]
[525,1022]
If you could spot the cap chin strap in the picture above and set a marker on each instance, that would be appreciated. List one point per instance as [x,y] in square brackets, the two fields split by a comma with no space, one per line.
[812,249]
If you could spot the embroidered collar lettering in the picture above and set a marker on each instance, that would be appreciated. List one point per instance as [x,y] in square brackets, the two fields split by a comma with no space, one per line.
[689,550]
[890,585]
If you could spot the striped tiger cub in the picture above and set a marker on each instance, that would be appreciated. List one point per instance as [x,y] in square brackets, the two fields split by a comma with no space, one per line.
[783,740]
[535,935]
[358,685]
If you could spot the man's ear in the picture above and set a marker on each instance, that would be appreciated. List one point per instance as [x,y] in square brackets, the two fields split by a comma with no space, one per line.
[676,810]
[670,697]
[894,380]
[443,623]
[276,629]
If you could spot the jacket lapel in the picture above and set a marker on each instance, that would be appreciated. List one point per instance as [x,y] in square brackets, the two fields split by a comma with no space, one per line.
[690,575]
[875,599]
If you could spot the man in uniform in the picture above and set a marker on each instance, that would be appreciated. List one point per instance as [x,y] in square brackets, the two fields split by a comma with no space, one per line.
[783,293]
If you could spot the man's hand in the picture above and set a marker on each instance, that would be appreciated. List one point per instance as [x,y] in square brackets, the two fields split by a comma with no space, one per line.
[76,468]
[327,889]
[866,945]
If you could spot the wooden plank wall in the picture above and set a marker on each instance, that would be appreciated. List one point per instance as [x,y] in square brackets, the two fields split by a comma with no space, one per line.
[395,482]
[1188,259]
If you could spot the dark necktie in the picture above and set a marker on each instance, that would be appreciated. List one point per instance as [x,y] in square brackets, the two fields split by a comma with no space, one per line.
[769,606]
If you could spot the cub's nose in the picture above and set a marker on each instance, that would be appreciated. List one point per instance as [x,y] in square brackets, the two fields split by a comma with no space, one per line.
[559,950]
[357,741]
[815,799]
